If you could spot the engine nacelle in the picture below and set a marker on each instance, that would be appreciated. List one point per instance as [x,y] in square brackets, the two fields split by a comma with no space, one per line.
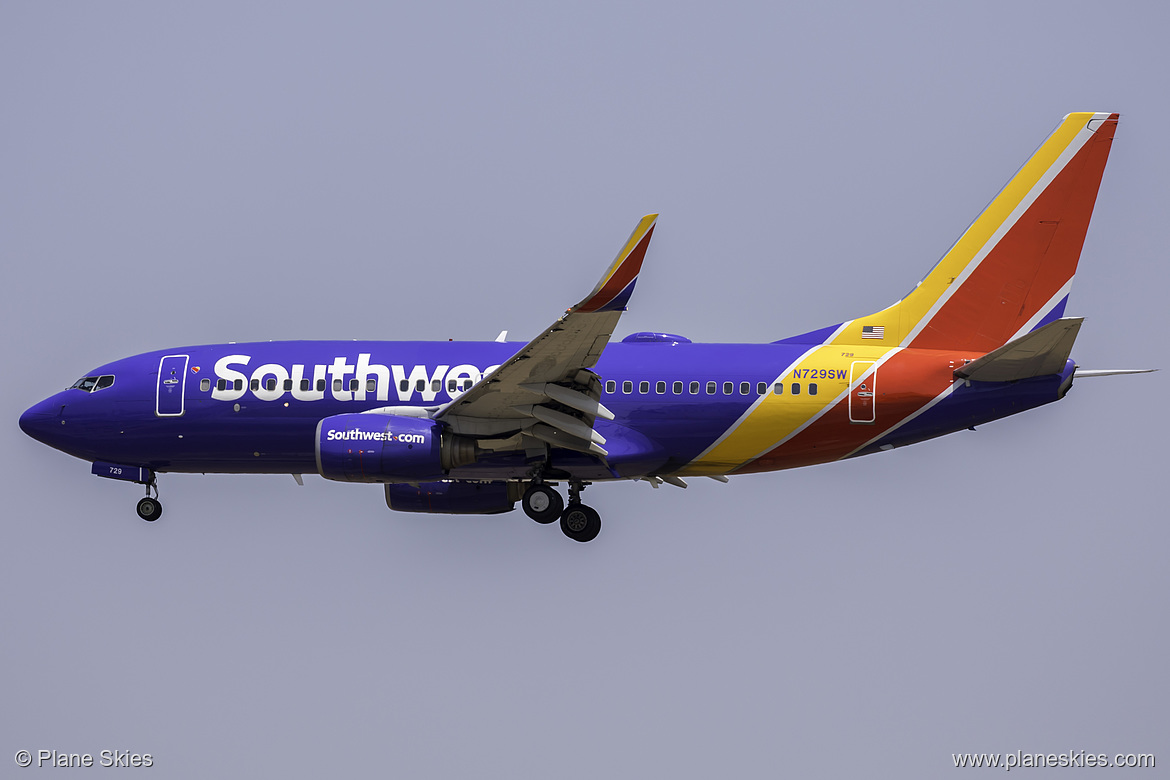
[387,448]
[454,498]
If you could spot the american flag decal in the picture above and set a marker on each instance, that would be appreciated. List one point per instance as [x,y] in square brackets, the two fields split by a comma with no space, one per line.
[873,331]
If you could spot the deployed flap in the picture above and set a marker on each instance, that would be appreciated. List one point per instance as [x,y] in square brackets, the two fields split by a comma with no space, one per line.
[1043,351]
[561,356]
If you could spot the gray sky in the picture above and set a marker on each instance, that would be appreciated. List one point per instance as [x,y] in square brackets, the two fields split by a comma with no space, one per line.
[175,174]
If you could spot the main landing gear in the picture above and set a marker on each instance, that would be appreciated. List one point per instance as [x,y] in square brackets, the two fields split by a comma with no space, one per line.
[581,523]
[544,505]
[150,509]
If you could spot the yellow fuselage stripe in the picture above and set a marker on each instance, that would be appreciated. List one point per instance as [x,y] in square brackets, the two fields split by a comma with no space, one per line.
[777,417]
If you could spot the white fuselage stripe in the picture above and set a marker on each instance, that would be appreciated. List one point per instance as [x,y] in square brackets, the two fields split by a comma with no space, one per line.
[950,389]
[825,409]
[755,404]
[1044,311]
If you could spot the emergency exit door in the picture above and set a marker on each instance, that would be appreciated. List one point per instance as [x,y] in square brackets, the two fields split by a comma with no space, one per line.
[863,392]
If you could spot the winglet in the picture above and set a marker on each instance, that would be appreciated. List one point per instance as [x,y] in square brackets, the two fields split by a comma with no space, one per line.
[614,290]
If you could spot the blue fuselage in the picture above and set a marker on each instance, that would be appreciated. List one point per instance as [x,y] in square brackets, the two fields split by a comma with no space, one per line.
[255,407]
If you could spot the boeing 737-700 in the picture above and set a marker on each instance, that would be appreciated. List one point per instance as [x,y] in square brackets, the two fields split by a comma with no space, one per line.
[474,427]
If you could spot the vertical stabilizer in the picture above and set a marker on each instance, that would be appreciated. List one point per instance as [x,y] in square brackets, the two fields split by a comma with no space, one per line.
[1011,271]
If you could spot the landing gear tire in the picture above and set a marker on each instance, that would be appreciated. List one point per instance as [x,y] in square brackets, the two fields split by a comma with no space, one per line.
[149,509]
[542,504]
[581,523]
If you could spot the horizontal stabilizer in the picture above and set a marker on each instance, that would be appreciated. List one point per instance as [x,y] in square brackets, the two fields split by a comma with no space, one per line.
[1041,352]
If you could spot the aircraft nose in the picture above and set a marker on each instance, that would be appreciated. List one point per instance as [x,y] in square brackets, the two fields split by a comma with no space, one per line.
[41,420]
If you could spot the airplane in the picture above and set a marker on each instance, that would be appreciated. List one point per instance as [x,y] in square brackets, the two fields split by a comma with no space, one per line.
[473,427]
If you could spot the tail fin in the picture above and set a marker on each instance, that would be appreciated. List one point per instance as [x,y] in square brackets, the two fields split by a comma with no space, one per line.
[1011,272]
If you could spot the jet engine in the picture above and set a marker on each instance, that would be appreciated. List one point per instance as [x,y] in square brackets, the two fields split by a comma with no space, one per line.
[388,448]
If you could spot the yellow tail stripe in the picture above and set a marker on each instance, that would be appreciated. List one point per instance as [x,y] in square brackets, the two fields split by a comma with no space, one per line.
[901,319]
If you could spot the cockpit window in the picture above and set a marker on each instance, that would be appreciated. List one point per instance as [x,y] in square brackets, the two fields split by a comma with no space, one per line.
[92,384]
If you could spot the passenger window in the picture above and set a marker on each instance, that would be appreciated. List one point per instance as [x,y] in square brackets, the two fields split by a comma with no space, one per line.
[677,388]
[745,388]
[287,385]
[436,385]
[762,388]
[255,384]
[337,385]
[812,388]
[694,388]
[320,385]
[450,385]
[643,387]
[270,384]
[627,387]
[728,388]
[467,385]
[205,384]
[611,387]
[796,388]
[778,388]
[239,385]
[221,384]
[404,385]
[354,384]
[420,385]
[711,387]
[660,387]
[304,385]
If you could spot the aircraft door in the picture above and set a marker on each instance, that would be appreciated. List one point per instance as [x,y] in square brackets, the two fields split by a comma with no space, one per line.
[172,380]
[862,392]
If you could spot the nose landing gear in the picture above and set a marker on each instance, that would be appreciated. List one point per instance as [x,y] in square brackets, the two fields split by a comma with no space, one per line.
[150,509]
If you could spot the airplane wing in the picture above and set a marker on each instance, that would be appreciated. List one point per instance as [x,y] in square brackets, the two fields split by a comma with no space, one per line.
[547,390]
